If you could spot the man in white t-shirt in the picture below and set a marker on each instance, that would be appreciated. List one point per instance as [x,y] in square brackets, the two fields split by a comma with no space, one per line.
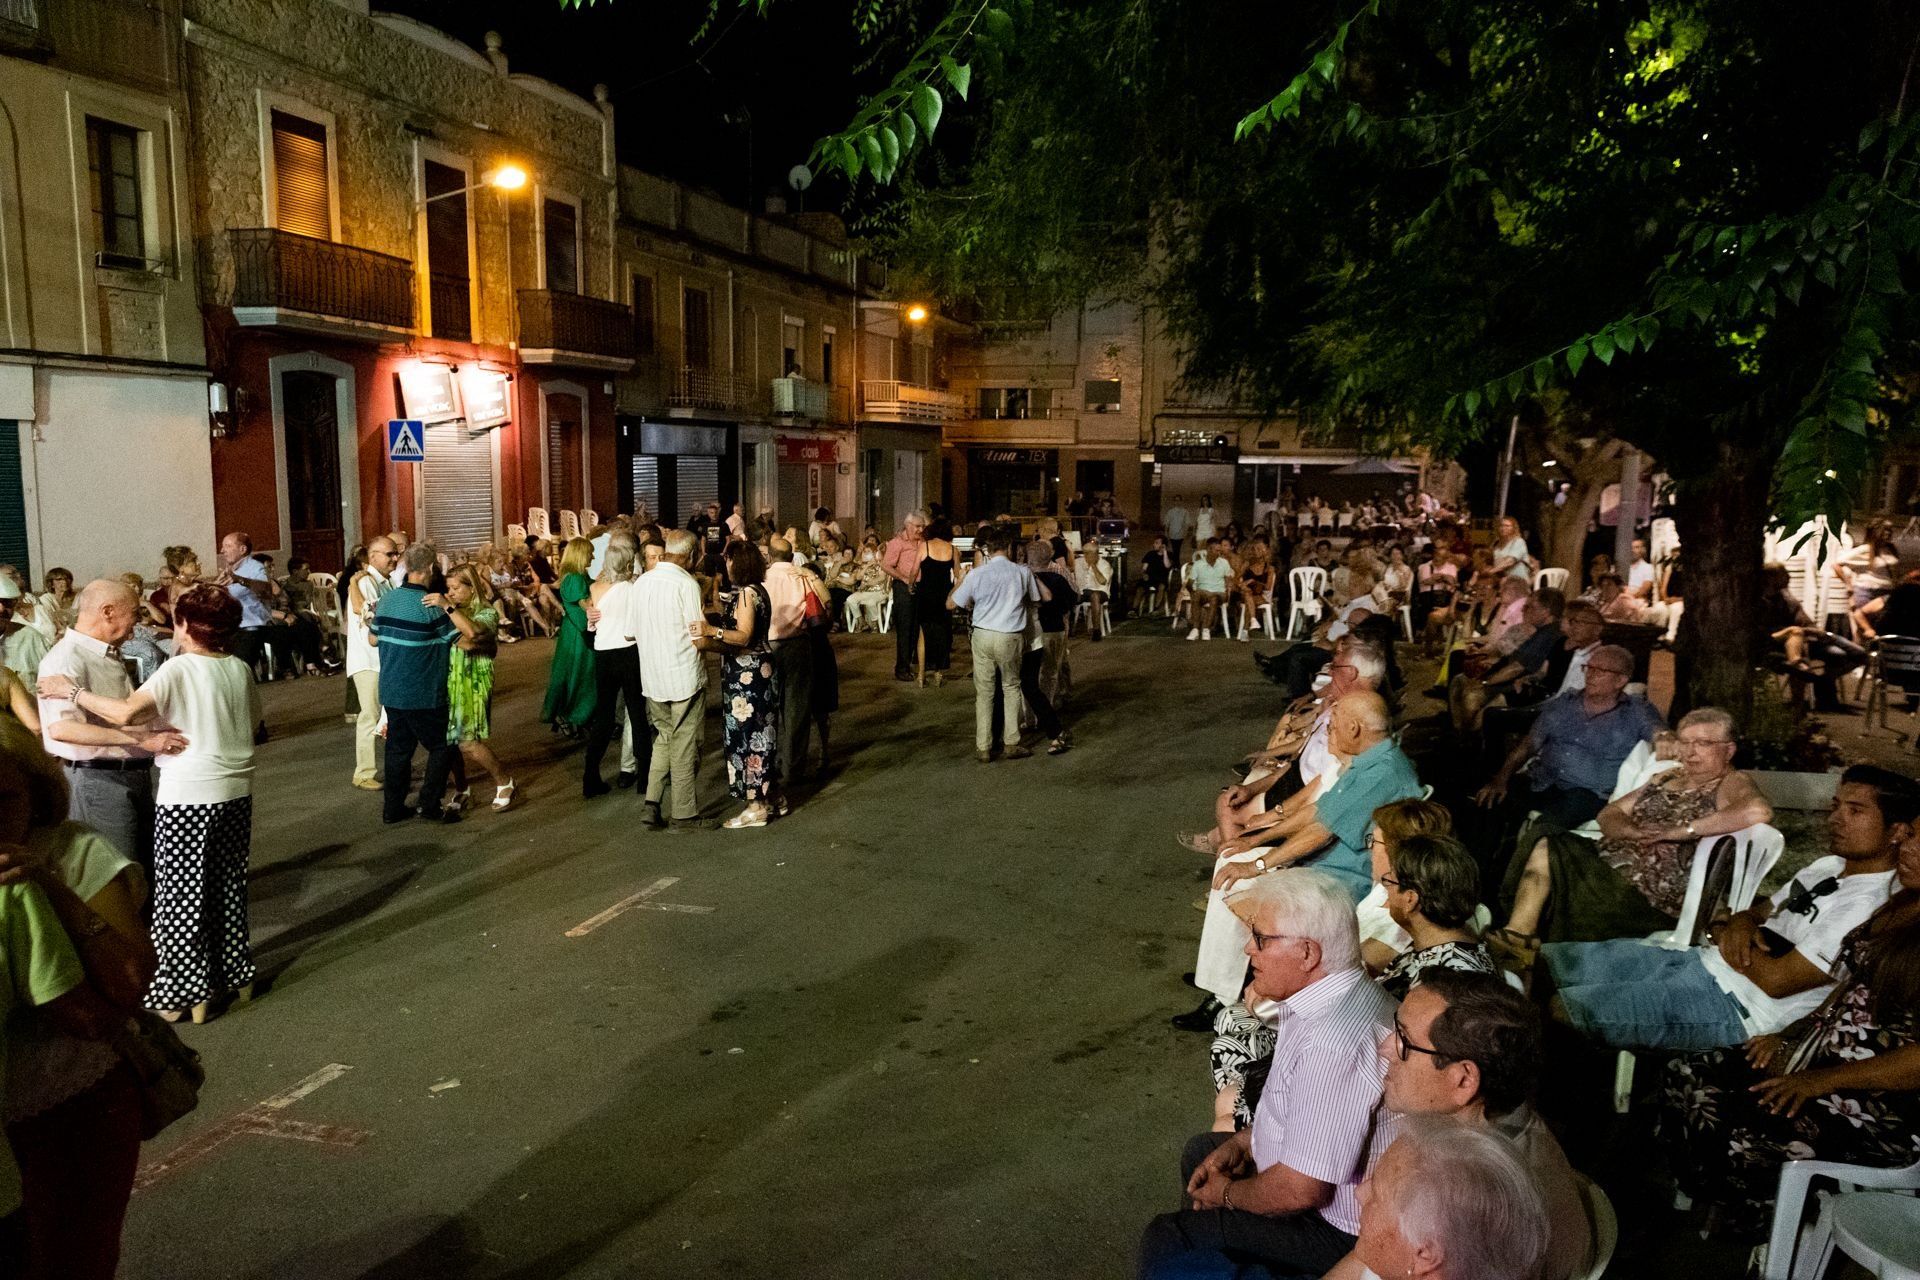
[668,625]
[364,590]
[1772,964]
[1640,574]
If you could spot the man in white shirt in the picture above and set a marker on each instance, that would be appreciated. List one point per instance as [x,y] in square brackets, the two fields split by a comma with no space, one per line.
[669,627]
[1001,594]
[109,769]
[364,590]
[1175,522]
[21,646]
[1640,574]
[1773,963]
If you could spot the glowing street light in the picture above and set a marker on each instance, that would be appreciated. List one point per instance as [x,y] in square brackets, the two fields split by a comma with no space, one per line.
[508,177]
[917,313]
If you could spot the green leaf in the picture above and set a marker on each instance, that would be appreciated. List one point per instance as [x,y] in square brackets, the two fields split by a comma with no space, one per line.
[889,147]
[1603,347]
[909,131]
[1542,373]
[1624,336]
[1446,410]
[849,159]
[1576,356]
[1472,402]
[1826,273]
[1648,329]
[925,104]
[876,159]
[1516,383]
[1324,64]
[1871,133]
[958,74]
[999,25]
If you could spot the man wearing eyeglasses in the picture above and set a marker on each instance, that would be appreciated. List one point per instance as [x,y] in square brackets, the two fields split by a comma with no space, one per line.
[364,591]
[1771,964]
[1283,1193]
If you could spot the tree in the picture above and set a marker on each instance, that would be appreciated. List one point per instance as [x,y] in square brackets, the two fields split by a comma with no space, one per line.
[1664,223]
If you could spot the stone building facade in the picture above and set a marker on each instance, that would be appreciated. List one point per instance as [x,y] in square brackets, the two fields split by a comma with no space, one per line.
[366,257]
[103,384]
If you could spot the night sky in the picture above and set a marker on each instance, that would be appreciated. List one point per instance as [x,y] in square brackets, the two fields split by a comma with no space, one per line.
[754,92]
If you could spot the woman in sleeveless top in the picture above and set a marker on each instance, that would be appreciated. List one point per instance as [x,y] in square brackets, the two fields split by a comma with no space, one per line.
[749,687]
[1633,880]
[930,602]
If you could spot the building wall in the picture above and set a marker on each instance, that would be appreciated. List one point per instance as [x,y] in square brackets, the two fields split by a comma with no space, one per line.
[98,504]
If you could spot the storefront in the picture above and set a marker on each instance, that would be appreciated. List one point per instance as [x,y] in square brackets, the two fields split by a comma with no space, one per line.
[898,470]
[1023,483]
[811,468]
[671,469]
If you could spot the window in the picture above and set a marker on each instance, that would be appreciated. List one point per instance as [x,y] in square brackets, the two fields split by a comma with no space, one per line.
[561,223]
[449,285]
[301,193]
[113,164]
[1103,395]
[643,315]
[696,328]
[792,334]
[826,358]
[1015,402]
[990,402]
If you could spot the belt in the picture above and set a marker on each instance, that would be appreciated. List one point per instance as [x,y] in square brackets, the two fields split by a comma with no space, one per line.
[113,765]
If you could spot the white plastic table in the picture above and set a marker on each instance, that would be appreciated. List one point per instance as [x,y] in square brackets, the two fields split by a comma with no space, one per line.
[1880,1231]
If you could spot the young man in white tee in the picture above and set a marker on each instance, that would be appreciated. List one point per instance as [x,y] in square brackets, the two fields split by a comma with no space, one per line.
[1770,964]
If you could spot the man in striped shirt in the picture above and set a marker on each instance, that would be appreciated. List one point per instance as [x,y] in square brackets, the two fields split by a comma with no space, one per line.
[414,631]
[1283,1193]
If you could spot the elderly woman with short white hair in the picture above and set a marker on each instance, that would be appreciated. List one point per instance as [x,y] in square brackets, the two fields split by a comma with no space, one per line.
[1448,1201]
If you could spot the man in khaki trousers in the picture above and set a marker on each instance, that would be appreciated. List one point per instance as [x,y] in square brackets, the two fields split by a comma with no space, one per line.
[363,656]
[669,628]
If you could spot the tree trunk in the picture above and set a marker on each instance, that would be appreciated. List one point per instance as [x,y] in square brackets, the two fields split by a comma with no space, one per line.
[1721,514]
[1563,529]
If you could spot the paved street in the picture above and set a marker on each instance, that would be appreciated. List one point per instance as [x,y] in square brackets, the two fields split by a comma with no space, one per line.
[920,1031]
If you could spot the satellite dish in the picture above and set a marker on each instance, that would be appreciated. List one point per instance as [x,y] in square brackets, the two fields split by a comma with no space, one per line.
[799,177]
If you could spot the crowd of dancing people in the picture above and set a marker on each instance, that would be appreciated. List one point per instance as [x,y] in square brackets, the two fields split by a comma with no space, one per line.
[1394,956]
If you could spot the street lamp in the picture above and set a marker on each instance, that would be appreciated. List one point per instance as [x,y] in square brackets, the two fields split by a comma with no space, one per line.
[508,177]
[917,313]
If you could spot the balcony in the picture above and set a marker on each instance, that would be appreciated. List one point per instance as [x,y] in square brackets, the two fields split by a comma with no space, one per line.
[798,398]
[697,391]
[573,329]
[286,281]
[450,302]
[895,401]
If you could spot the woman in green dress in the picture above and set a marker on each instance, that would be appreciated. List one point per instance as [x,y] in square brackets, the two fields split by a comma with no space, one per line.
[470,685]
[570,686]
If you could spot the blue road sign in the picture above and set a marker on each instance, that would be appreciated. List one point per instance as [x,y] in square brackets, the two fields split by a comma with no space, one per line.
[406,440]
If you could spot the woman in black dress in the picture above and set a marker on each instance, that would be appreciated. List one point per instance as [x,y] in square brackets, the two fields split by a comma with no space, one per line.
[930,602]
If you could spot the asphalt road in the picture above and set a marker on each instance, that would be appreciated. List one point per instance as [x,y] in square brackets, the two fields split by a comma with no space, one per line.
[920,1031]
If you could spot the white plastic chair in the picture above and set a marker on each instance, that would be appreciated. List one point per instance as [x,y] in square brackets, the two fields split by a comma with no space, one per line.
[1306,582]
[516,536]
[537,523]
[1178,606]
[1755,850]
[1606,1227]
[326,603]
[1304,520]
[589,517]
[1406,620]
[1807,1261]
[1555,578]
[1326,518]
[569,525]
[1344,520]
[1265,612]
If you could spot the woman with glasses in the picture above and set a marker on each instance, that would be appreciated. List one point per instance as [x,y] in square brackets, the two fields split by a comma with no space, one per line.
[1633,880]
[1433,887]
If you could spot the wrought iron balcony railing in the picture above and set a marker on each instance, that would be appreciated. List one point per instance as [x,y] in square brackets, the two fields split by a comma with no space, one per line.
[572,322]
[282,271]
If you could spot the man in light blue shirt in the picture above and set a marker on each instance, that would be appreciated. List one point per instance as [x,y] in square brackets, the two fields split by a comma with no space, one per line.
[1001,594]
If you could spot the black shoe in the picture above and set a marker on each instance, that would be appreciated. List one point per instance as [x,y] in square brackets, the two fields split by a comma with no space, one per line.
[403,816]
[1198,1020]
[592,787]
[1187,978]
[903,675]
[624,781]
[654,819]
[694,824]
[440,815]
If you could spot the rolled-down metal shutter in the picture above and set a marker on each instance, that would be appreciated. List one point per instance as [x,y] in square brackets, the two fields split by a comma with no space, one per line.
[458,477]
[699,481]
[13,505]
[646,485]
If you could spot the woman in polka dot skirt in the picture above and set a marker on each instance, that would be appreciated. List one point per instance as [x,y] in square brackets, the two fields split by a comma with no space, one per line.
[203,805]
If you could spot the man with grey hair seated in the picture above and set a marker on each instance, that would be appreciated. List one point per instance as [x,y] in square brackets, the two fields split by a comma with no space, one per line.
[1449,1202]
[1285,1192]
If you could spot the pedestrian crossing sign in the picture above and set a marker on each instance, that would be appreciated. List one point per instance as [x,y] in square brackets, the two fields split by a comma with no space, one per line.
[406,440]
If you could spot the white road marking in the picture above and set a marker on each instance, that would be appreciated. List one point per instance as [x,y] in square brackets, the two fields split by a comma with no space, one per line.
[259,1119]
[637,902]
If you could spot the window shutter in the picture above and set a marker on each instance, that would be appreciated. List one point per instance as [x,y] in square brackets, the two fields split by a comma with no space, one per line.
[300,176]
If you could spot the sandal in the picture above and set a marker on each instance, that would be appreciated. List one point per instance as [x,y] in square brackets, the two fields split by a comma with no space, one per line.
[1058,745]
[1514,950]
[751,816]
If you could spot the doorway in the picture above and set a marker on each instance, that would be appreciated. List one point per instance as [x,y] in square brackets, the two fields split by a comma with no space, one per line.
[311,425]
[566,482]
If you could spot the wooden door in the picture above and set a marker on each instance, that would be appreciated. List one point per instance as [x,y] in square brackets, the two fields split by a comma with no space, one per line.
[312,423]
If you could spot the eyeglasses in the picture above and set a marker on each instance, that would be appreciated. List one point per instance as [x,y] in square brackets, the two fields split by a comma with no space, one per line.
[1611,671]
[1404,1046]
[1395,883]
[1706,742]
[1260,940]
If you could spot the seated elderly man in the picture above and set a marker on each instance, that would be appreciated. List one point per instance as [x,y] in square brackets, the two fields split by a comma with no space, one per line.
[1297,754]
[1284,1193]
[1773,963]
[1466,1047]
[1326,828]
[1469,698]
[21,646]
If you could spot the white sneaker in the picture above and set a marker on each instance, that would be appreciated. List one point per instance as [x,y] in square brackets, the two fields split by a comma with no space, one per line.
[1242,637]
[1194,634]
[1206,633]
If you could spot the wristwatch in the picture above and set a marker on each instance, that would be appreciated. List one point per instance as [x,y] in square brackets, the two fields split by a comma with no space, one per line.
[1260,863]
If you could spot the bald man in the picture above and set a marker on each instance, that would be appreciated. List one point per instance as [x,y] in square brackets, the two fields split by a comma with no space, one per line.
[109,769]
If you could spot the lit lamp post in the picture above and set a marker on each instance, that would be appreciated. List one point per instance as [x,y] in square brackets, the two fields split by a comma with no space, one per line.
[505,178]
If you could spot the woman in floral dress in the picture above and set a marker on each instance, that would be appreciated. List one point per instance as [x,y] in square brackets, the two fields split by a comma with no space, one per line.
[1844,1084]
[750,688]
[470,684]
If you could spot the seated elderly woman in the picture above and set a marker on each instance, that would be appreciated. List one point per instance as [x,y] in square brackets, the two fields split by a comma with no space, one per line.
[1449,1200]
[1633,880]
[1381,937]
[1433,888]
[868,602]
[1841,1085]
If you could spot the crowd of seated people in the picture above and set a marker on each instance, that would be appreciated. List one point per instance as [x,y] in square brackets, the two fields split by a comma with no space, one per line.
[1386,976]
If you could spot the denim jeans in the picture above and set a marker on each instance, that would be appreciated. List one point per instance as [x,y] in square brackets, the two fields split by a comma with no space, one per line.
[1630,995]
